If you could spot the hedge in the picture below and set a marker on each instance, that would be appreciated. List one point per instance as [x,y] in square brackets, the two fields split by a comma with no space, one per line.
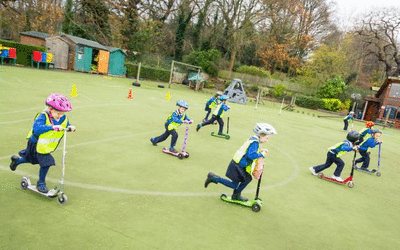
[309,102]
[156,74]
[24,51]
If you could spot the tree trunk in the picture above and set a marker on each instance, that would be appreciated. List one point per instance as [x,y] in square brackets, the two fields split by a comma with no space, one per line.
[232,59]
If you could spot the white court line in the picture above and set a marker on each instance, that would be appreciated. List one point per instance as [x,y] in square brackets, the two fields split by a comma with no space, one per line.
[159,193]
[22,110]
[87,97]
[16,121]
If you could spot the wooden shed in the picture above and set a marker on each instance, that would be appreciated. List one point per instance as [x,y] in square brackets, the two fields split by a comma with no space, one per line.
[116,64]
[60,50]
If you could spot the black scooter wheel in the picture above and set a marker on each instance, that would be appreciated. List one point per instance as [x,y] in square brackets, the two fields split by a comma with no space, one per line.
[180,156]
[136,84]
[187,155]
[223,196]
[378,174]
[350,184]
[227,137]
[256,207]
[24,184]
[62,199]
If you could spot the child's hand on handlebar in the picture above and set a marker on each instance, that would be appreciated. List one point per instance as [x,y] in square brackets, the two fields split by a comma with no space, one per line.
[58,128]
[72,128]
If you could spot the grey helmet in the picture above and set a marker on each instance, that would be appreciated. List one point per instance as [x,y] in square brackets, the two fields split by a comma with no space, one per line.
[264,128]
[353,136]
[374,131]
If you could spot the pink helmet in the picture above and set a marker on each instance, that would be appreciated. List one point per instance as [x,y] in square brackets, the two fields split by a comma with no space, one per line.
[58,102]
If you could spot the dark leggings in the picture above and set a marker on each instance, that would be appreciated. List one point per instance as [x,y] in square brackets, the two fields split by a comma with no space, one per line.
[364,158]
[346,124]
[238,175]
[330,159]
[211,121]
[165,136]
[208,112]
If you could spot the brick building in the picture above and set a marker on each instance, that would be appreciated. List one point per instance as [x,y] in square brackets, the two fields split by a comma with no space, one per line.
[385,105]
[34,38]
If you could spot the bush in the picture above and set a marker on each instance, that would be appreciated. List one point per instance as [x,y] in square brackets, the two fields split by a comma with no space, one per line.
[279,90]
[253,70]
[332,88]
[208,85]
[156,74]
[254,88]
[333,104]
[309,102]
[24,51]
[207,60]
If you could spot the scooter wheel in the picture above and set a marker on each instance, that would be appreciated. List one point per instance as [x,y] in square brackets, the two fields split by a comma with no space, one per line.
[350,184]
[256,207]
[62,199]
[223,196]
[212,133]
[320,176]
[227,137]
[180,156]
[24,184]
[378,174]
[187,155]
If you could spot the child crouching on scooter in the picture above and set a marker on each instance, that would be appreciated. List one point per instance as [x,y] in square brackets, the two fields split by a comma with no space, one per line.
[334,153]
[363,150]
[239,169]
[173,122]
[217,115]
[43,139]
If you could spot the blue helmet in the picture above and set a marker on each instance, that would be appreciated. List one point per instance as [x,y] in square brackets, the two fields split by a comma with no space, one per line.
[182,103]
[224,97]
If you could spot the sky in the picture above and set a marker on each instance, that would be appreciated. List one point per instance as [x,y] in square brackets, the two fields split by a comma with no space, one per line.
[347,10]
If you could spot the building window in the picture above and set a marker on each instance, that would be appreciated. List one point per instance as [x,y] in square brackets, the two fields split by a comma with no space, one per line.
[80,49]
[392,112]
[395,90]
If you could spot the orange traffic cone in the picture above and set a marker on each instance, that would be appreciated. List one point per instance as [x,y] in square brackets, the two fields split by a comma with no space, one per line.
[130,94]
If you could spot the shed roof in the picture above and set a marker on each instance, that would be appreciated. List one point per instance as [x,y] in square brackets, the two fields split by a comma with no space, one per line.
[35,34]
[112,49]
[86,42]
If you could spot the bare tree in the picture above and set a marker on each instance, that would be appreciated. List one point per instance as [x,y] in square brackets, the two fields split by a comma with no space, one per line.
[239,16]
[379,32]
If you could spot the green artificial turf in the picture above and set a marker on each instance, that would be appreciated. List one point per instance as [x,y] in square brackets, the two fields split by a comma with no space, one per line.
[124,193]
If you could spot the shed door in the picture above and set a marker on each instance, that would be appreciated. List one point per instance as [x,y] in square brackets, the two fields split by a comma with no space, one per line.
[83,59]
[103,61]
[116,66]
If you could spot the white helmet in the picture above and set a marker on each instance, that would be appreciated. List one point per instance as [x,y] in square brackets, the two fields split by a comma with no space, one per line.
[264,128]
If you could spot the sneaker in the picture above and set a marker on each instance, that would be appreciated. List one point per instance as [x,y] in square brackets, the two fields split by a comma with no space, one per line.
[238,197]
[312,169]
[221,134]
[172,150]
[337,178]
[13,164]
[153,142]
[198,127]
[211,177]
[41,187]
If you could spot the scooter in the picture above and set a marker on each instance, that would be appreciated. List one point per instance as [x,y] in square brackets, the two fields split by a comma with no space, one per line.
[182,154]
[255,204]
[226,136]
[55,192]
[373,171]
[348,180]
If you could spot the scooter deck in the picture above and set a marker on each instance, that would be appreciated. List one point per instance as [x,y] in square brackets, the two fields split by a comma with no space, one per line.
[248,203]
[348,181]
[180,155]
[51,194]
[373,171]
[226,136]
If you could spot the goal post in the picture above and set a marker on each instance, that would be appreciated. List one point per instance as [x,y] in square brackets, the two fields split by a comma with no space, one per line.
[180,70]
